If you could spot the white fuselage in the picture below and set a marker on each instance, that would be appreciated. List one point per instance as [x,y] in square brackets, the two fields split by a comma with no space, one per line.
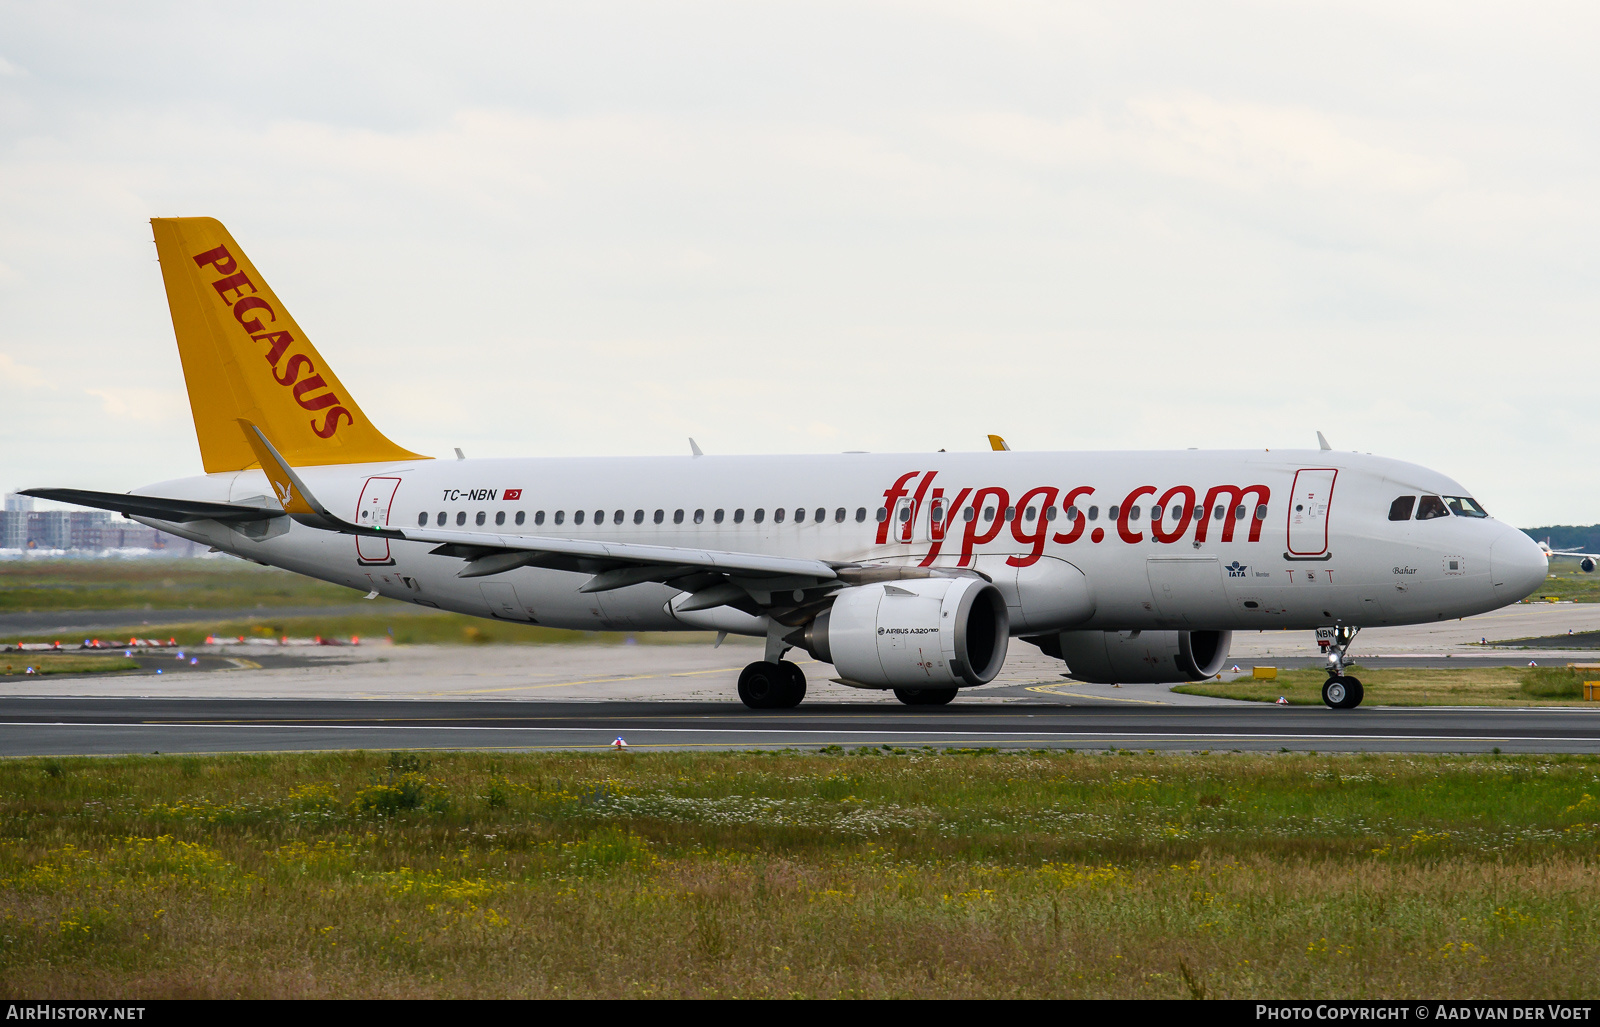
[1305,542]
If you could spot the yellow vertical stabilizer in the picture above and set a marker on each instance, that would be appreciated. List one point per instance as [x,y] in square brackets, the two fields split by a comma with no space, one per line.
[245,358]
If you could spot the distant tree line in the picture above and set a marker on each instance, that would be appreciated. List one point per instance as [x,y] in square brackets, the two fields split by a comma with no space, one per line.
[1566,536]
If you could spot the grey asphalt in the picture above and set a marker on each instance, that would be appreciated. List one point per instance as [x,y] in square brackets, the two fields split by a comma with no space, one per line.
[58,726]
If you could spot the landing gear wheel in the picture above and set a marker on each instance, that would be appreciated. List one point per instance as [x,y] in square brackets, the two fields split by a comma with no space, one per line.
[795,692]
[925,696]
[764,686]
[1342,693]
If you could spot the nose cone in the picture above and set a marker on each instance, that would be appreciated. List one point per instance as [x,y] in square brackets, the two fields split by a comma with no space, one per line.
[1517,566]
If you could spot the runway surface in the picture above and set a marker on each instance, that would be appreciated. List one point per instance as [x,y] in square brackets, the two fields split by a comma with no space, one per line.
[104,726]
[252,698]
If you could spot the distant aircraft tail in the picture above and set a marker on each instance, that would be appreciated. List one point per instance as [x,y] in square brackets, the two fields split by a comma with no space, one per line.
[245,358]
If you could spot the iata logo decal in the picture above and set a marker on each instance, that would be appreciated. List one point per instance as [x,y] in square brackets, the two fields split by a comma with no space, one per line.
[512,495]
[237,291]
[1237,570]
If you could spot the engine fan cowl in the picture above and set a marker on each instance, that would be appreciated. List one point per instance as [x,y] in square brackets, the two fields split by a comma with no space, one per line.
[1138,657]
[916,633]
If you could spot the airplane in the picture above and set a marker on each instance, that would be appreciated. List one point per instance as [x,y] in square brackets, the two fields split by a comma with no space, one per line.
[907,572]
[1586,561]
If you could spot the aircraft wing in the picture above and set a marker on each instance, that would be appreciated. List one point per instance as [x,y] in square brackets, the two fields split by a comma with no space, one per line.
[494,553]
[156,507]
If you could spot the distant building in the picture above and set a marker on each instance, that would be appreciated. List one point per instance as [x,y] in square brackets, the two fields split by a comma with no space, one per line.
[22,527]
[13,528]
[49,529]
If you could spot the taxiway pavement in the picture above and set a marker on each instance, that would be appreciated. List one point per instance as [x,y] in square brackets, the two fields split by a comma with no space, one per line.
[683,696]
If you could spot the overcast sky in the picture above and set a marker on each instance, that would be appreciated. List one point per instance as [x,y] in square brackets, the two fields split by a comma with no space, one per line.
[598,228]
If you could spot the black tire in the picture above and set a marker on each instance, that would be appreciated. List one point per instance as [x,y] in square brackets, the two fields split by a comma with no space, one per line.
[1340,693]
[925,696]
[763,685]
[794,692]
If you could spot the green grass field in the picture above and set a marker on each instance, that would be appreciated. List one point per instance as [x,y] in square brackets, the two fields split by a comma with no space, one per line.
[1567,582]
[875,873]
[157,584]
[1396,686]
[17,664]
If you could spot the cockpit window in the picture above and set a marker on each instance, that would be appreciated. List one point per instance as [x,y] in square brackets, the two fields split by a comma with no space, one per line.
[1400,509]
[1462,506]
[1431,507]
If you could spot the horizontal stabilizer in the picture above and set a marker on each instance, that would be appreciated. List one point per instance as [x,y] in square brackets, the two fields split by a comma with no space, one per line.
[155,507]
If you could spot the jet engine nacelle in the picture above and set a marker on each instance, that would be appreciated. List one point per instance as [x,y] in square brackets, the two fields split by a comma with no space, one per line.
[913,633]
[1586,565]
[1131,657]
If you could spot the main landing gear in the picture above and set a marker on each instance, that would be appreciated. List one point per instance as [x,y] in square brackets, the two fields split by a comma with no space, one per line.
[772,685]
[1340,691]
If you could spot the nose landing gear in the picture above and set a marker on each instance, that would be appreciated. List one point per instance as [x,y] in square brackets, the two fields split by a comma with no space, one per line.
[1340,691]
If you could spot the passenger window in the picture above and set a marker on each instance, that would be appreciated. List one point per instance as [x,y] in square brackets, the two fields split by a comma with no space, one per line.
[1461,506]
[777,515]
[442,518]
[499,517]
[738,516]
[461,518]
[838,516]
[538,518]
[861,514]
[1133,513]
[660,515]
[968,514]
[905,513]
[1400,509]
[422,519]
[561,515]
[988,513]
[677,517]
[1049,513]
[1261,512]
[1011,514]
[1238,512]
[800,515]
[1216,514]
[638,517]
[1114,511]
[883,514]
[717,517]
[478,520]
[577,517]
[820,516]
[760,514]
[617,517]
[699,516]
[522,515]
[1155,513]
[599,516]
[1094,513]
[1072,513]
[1431,507]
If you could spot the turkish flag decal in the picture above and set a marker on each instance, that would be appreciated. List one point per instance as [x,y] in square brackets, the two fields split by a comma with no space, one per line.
[512,495]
